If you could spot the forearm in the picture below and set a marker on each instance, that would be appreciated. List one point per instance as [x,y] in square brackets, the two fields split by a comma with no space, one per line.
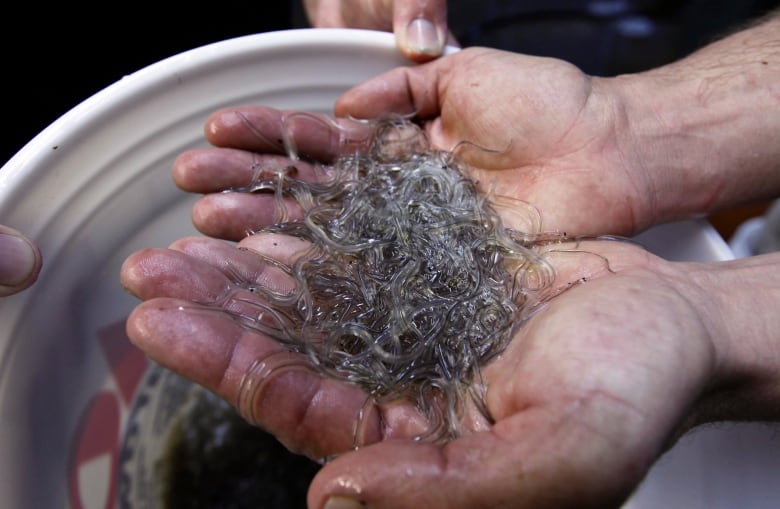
[706,129]
[740,303]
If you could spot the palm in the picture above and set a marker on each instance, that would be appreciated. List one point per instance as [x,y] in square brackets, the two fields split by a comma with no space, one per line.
[536,129]
[584,401]
[598,381]
[577,387]
[551,134]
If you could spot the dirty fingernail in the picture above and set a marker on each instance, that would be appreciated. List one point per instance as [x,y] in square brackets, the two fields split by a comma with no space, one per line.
[422,37]
[17,260]
[338,502]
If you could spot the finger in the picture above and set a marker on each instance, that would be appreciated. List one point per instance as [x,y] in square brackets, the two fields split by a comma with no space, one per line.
[256,128]
[420,28]
[269,386]
[20,261]
[552,465]
[216,278]
[210,348]
[218,169]
[200,270]
[156,272]
[247,265]
[233,216]
[280,247]
[257,261]
[272,388]
[588,452]
[255,373]
[297,134]
[404,90]
[253,177]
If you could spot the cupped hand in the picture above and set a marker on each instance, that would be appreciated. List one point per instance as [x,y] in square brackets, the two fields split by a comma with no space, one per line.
[420,26]
[535,129]
[588,394]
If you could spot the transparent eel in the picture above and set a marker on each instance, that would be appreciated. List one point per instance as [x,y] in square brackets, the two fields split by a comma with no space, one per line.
[412,282]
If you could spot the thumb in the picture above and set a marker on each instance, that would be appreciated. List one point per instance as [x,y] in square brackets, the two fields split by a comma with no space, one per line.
[480,471]
[398,474]
[403,90]
[420,28]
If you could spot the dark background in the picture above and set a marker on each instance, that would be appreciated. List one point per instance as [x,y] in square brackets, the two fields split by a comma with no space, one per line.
[55,57]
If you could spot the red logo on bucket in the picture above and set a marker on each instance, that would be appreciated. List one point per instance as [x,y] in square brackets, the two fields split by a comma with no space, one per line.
[92,474]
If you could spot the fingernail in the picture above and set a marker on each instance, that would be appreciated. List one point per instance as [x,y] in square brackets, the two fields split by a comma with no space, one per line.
[17,260]
[422,37]
[338,502]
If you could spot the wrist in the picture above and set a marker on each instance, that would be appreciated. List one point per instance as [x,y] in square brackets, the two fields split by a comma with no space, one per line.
[705,131]
[738,302]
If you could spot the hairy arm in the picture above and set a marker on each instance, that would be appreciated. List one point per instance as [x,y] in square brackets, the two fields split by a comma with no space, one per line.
[739,301]
[707,128]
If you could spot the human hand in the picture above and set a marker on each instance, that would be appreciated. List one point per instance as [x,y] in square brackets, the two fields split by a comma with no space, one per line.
[20,261]
[538,129]
[588,436]
[588,394]
[420,26]
[594,155]
[605,155]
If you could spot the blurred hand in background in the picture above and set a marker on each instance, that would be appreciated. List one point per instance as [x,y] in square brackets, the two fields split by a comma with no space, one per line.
[20,261]
[420,26]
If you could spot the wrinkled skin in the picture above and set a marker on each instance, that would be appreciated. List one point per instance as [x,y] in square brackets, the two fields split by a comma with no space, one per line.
[583,401]
[567,160]
[591,390]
